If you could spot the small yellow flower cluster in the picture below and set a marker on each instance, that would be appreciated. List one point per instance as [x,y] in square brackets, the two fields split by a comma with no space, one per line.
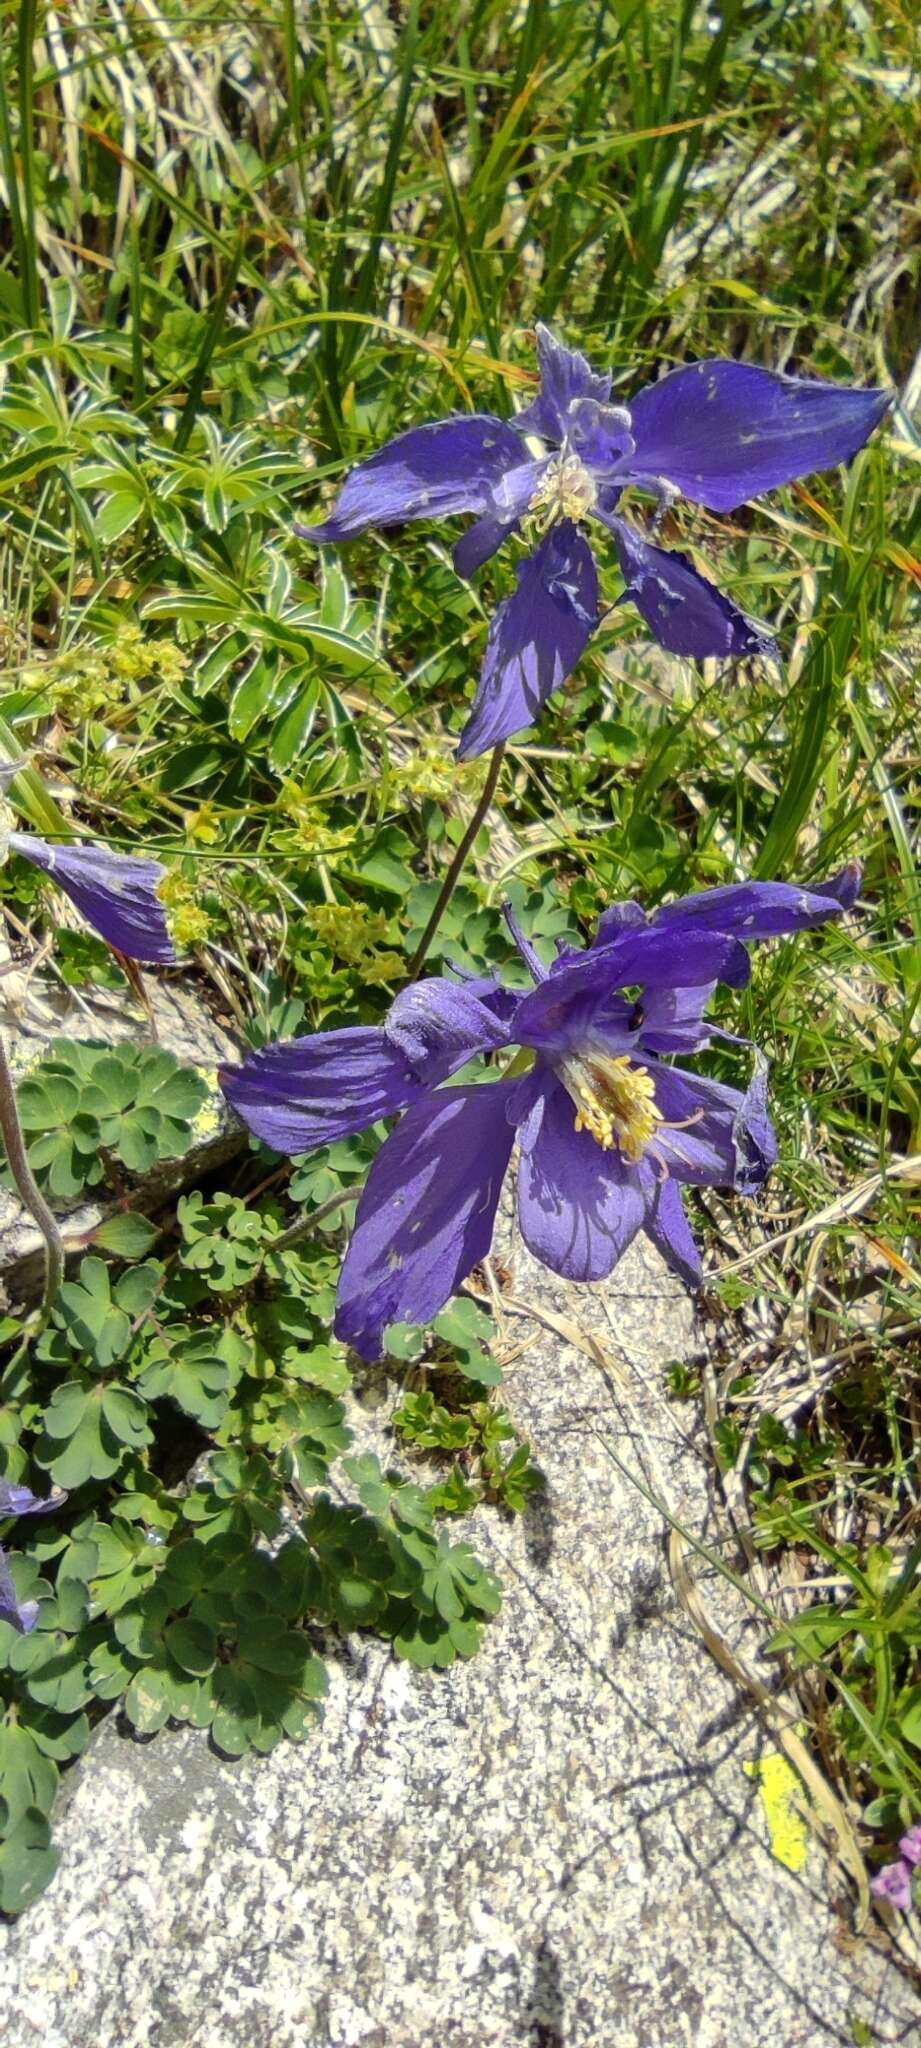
[430,772]
[351,932]
[312,831]
[188,922]
[384,967]
[201,826]
[85,681]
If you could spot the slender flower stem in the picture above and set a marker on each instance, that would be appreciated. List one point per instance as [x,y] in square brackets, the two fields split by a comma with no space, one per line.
[456,868]
[29,1191]
[306,1224]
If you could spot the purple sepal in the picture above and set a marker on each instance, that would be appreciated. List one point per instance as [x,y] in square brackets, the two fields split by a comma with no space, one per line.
[581,989]
[687,614]
[565,375]
[426,1216]
[667,1225]
[578,1207]
[535,639]
[753,1132]
[21,1615]
[115,892]
[430,472]
[724,432]
[306,1092]
[762,910]
[438,1026]
[20,1500]
[618,918]
[510,500]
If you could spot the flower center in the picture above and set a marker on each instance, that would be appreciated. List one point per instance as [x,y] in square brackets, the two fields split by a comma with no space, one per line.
[566,490]
[615,1101]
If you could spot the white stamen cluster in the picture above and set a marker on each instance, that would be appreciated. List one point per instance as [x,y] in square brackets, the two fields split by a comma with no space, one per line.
[615,1101]
[567,490]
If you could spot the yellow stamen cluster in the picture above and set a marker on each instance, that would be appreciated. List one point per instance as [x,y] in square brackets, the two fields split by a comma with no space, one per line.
[566,490]
[615,1102]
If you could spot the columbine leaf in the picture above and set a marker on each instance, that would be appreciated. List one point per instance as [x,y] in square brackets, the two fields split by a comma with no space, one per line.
[27,1861]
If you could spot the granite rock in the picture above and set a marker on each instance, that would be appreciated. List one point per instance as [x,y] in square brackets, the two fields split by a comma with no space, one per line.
[553,1846]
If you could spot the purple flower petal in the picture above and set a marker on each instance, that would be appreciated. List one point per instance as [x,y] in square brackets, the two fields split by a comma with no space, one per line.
[426,1216]
[585,989]
[600,435]
[578,1206]
[565,375]
[306,1092]
[753,1132]
[671,1019]
[666,1223]
[20,1500]
[687,614]
[762,910]
[618,918]
[116,892]
[430,472]
[713,1135]
[536,638]
[724,432]
[510,500]
[437,1026]
[22,1615]
[893,1882]
[910,1846]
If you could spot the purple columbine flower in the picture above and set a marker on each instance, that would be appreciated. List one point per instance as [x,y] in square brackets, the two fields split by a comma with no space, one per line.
[19,1500]
[116,892]
[893,1882]
[716,432]
[608,1131]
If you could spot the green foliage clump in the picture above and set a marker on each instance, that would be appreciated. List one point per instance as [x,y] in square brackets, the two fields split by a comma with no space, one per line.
[90,1108]
[208,1605]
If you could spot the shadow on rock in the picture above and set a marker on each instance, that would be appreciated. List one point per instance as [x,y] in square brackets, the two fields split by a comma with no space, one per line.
[538,1527]
[544,2009]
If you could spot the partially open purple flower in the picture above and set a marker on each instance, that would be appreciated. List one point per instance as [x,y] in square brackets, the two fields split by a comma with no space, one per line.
[19,1500]
[607,1131]
[716,432]
[910,1846]
[893,1882]
[116,892]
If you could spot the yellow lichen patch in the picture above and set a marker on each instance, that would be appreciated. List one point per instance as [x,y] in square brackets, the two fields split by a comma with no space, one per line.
[782,1798]
[615,1101]
[208,1118]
